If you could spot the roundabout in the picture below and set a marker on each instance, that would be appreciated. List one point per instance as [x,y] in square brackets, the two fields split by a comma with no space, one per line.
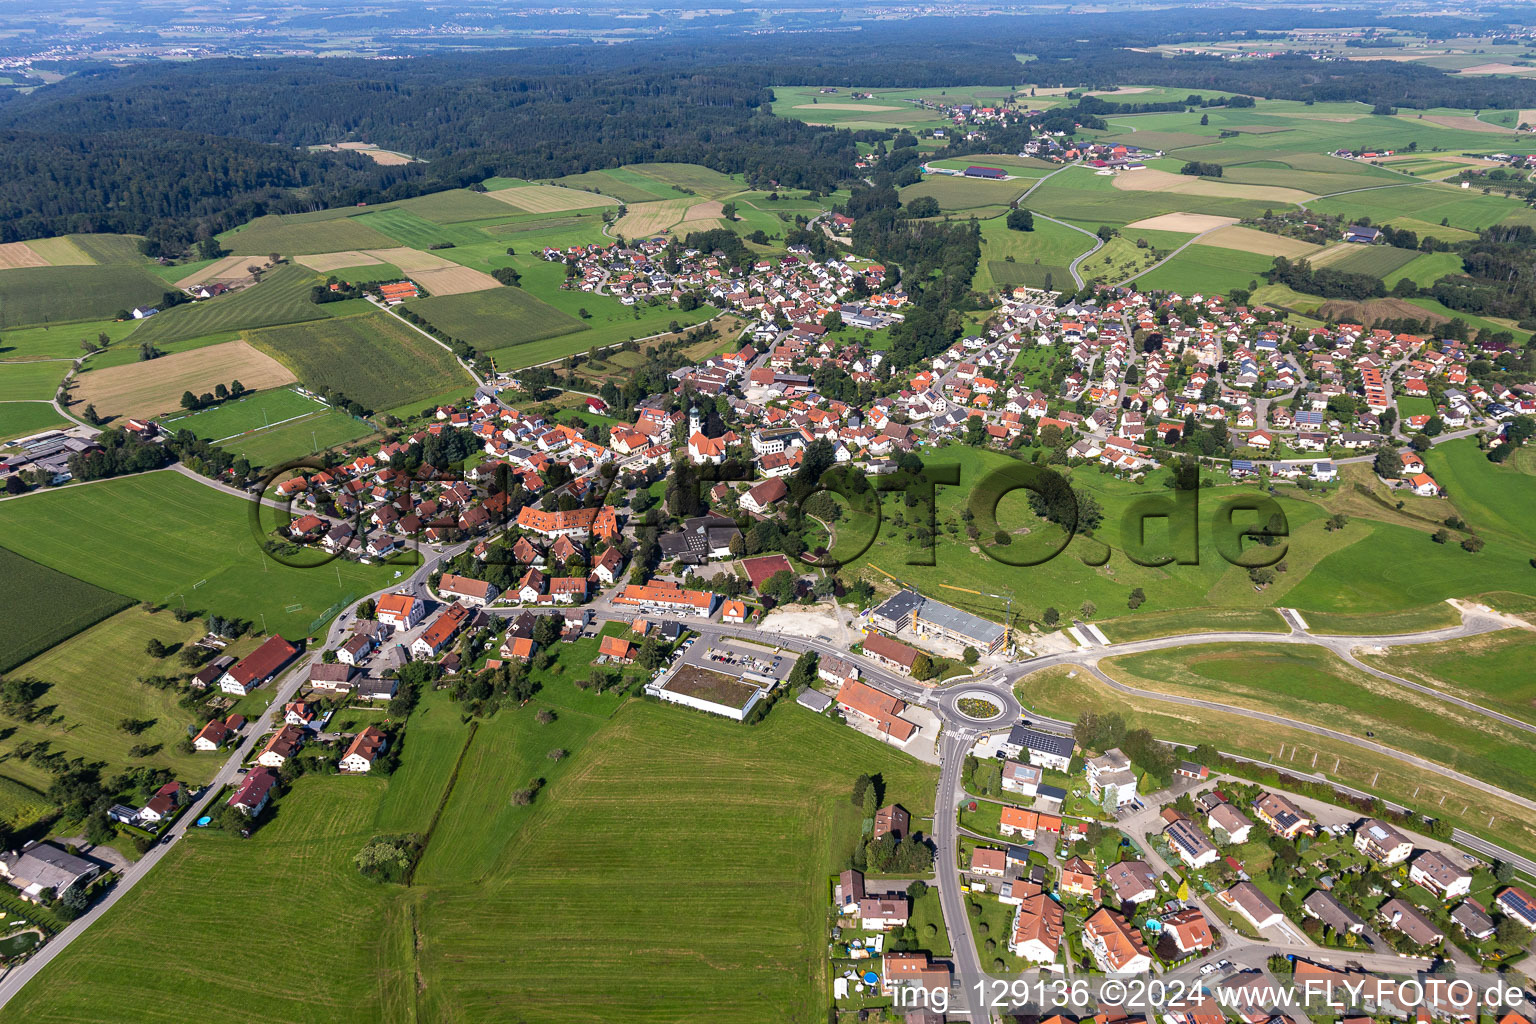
[980,704]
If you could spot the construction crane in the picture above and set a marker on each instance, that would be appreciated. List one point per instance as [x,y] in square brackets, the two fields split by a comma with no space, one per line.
[1007,615]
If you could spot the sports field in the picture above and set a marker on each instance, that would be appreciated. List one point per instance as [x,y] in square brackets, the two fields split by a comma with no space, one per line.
[282,297]
[236,416]
[35,295]
[153,387]
[42,606]
[161,537]
[373,359]
[499,319]
[307,435]
[93,685]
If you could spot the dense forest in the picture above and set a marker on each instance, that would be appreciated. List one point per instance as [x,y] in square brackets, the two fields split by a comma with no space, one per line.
[1500,276]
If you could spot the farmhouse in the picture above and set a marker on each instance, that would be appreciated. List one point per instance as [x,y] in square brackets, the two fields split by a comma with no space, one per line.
[876,707]
[258,667]
[885,651]
[468,591]
[213,736]
[442,630]
[763,496]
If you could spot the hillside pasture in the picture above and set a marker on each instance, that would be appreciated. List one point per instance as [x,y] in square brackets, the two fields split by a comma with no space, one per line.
[697,179]
[46,294]
[31,381]
[497,319]
[296,233]
[42,607]
[954,192]
[454,206]
[23,419]
[643,220]
[399,226]
[110,248]
[150,388]
[230,268]
[62,252]
[282,297]
[549,198]
[93,685]
[373,359]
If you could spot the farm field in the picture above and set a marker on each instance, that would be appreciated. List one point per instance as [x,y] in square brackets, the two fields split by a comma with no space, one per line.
[625,186]
[110,248]
[161,537]
[33,380]
[1080,195]
[1495,499]
[1021,166]
[1373,260]
[452,207]
[1193,620]
[19,419]
[702,181]
[281,298]
[410,229]
[35,295]
[954,193]
[1317,687]
[1425,269]
[1204,268]
[1471,211]
[373,359]
[548,198]
[1053,692]
[153,387]
[642,220]
[43,607]
[499,319]
[1260,243]
[358,966]
[1154,180]
[296,233]
[55,341]
[236,416]
[304,436]
[93,685]
[768,804]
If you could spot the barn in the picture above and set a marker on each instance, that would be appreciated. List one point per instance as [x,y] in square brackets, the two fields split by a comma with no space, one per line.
[995,173]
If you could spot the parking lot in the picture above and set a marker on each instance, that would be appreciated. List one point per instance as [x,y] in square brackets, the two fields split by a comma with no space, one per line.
[737,658]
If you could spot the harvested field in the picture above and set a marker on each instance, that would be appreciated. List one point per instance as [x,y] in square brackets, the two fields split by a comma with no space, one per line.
[1527,116]
[1331,254]
[386,158]
[645,219]
[549,198]
[1261,242]
[226,269]
[704,211]
[61,252]
[14,255]
[411,261]
[455,280]
[325,262]
[1496,69]
[1461,122]
[147,389]
[1189,223]
[1161,140]
[849,106]
[1152,180]
[1370,311]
